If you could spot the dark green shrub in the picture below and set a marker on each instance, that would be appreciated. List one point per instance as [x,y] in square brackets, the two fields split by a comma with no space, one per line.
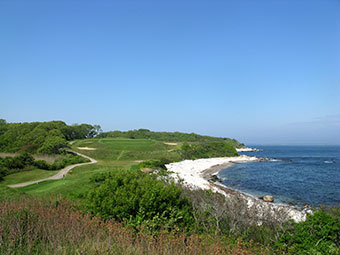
[18,162]
[74,159]
[140,200]
[319,234]
[101,177]
[26,159]
[57,164]
[157,164]
[3,172]
[10,165]
[207,150]
[42,164]
[68,160]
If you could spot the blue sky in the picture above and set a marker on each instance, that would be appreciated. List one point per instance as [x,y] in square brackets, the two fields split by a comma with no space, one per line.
[264,72]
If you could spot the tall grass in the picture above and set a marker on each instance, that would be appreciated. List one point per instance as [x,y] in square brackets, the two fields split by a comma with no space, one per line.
[46,157]
[54,226]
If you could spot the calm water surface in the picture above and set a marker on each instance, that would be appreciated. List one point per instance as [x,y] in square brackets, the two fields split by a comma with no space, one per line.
[302,174]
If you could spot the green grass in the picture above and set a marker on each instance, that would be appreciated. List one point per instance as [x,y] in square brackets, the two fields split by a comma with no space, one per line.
[8,193]
[112,155]
[76,183]
[126,149]
[20,177]
[35,174]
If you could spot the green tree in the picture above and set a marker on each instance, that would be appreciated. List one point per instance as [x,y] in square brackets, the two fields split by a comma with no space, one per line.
[52,145]
[3,126]
[32,136]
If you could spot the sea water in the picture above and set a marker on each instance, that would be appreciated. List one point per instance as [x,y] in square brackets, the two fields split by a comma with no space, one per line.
[296,175]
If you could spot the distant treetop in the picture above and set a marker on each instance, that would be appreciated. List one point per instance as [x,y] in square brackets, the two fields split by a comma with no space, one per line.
[42,137]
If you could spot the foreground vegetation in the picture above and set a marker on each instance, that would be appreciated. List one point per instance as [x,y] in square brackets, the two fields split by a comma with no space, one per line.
[32,226]
[58,226]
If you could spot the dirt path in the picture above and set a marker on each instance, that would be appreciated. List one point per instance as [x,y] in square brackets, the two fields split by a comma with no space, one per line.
[61,174]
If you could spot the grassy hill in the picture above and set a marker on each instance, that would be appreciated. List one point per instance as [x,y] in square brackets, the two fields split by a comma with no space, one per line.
[112,155]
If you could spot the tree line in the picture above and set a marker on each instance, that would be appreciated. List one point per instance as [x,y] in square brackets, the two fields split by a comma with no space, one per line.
[42,137]
[169,136]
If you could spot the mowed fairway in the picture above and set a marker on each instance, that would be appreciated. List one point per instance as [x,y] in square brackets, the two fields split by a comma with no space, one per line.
[32,175]
[25,176]
[112,155]
[125,149]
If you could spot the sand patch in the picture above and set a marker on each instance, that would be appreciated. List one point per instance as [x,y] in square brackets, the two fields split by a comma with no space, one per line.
[86,148]
[173,144]
[147,170]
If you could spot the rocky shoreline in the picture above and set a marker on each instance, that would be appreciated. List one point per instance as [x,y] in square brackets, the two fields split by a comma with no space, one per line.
[202,174]
[262,203]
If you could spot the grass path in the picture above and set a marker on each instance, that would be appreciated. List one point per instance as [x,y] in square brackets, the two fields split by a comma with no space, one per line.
[120,155]
[61,174]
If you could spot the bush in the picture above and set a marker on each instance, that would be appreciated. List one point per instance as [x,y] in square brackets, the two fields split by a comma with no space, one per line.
[42,164]
[157,164]
[18,162]
[10,165]
[3,172]
[26,160]
[207,150]
[21,161]
[319,234]
[69,160]
[140,200]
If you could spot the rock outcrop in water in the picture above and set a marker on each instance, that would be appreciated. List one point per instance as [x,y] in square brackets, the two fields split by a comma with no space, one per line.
[267,198]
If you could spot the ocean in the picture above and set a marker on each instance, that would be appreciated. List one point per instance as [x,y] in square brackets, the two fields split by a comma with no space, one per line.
[297,175]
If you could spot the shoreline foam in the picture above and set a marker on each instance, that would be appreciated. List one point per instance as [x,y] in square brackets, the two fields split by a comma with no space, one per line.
[195,174]
[246,149]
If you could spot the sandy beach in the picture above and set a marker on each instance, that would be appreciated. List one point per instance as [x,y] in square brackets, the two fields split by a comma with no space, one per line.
[196,174]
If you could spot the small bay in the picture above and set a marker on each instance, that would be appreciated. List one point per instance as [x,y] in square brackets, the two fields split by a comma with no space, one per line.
[297,175]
